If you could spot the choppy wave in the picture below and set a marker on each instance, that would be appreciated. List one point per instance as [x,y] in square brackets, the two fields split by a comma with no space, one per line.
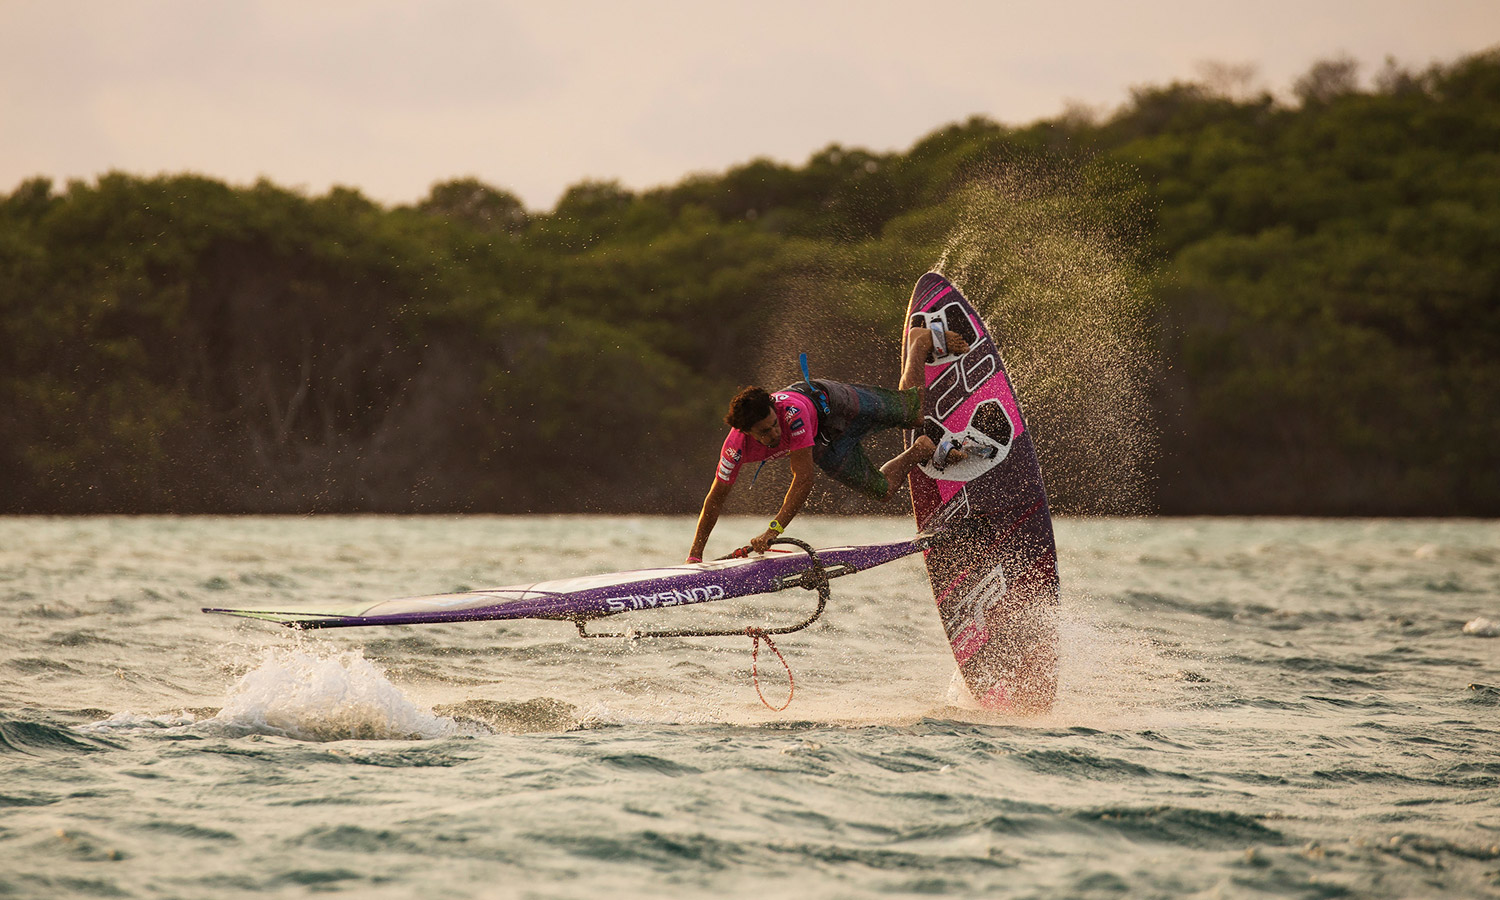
[539,714]
[1278,709]
[33,738]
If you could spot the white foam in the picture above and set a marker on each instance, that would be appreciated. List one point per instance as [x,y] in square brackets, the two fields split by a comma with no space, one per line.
[336,695]
[1111,673]
[125,722]
[603,713]
[959,695]
[1482,627]
[1107,674]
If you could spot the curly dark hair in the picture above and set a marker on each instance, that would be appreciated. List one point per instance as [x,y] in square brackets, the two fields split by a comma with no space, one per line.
[749,406]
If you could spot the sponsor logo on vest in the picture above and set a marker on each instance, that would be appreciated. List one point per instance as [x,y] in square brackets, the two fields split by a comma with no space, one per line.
[629,602]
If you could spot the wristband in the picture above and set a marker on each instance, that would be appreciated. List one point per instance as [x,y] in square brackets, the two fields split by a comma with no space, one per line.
[695,559]
[777,527]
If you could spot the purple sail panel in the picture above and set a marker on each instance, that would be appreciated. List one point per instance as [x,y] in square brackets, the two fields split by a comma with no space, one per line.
[596,596]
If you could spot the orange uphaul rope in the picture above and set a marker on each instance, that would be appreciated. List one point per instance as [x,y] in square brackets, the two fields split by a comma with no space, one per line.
[757,635]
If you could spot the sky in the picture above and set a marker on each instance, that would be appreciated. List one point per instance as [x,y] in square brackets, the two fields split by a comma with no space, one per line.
[391,97]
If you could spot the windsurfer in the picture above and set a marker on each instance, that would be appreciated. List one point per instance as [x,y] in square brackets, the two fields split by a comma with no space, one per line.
[822,422]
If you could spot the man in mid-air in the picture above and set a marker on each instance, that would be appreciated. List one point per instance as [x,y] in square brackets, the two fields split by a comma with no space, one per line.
[808,428]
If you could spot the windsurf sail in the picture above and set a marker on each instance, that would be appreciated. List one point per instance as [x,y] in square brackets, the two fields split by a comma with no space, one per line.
[590,597]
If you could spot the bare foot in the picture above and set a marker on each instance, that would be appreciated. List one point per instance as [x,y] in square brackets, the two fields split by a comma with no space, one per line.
[919,352]
[919,343]
[957,346]
[929,449]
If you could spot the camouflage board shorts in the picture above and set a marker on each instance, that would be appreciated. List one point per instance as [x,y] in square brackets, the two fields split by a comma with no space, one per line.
[857,410]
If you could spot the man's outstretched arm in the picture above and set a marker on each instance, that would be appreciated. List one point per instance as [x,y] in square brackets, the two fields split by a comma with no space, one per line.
[796,495]
[713,504]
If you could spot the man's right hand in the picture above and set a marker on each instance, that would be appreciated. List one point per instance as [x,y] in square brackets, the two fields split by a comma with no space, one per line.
[762,543]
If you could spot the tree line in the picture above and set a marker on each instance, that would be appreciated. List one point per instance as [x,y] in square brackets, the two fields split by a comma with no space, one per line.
[1214,302]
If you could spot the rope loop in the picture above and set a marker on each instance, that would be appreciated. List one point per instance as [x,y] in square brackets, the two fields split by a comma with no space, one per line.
[757,635]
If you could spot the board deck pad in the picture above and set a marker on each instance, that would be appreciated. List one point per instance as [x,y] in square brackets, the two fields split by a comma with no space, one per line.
[997,586]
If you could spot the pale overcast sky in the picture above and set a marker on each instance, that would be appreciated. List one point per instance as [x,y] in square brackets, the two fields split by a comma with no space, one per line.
[533,96]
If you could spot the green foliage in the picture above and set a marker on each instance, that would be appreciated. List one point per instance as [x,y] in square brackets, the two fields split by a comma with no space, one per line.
[1326,292]
[1331,299]
[473,203]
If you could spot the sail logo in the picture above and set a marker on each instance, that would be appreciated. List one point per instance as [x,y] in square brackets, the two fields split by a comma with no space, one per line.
[630,602]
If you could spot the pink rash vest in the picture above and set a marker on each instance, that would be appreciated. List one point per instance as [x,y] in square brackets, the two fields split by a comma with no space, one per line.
[799,424]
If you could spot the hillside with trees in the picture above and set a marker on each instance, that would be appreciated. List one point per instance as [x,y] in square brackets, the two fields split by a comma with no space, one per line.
[1213,302]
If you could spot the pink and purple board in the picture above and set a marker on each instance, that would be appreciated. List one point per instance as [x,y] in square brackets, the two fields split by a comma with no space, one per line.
[996,586]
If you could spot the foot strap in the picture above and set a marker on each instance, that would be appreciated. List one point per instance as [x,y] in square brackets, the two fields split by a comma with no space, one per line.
[940,456]
[967,446]
[982,451]
[939,338]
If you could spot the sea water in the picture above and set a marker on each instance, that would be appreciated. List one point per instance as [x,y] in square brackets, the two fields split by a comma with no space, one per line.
[1247,708]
